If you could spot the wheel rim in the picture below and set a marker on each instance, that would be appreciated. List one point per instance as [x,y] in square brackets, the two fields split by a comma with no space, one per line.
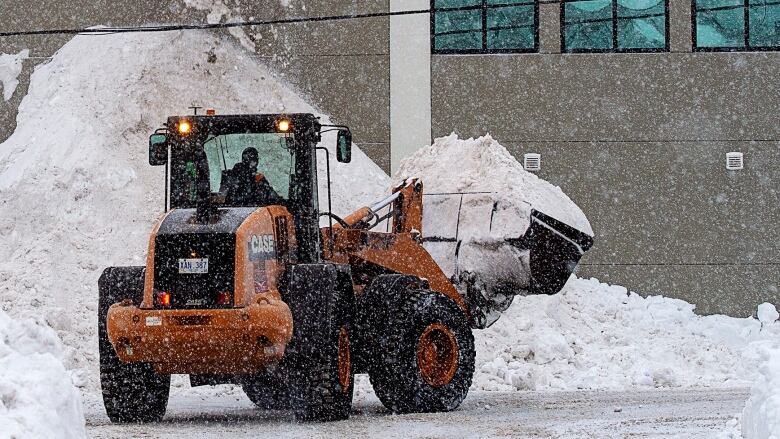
[345,360]
[437,355]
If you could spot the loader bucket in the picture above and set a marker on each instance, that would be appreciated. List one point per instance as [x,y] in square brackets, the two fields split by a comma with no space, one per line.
[555,250]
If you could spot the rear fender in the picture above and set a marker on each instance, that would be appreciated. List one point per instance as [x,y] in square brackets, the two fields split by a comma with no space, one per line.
[115,285]
[313,290]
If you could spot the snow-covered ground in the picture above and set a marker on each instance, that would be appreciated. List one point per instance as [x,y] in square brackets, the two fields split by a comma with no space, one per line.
[761,416]
[599,336]
[37,398]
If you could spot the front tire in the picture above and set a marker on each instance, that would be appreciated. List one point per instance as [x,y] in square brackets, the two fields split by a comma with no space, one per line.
[132,392]
[425,354]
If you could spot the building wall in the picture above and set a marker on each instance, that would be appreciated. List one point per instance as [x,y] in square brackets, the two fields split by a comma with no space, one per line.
[639,142]
[343,67]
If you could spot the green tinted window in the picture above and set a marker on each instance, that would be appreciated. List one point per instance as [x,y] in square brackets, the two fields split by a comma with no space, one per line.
[614,25]
[737,24]
[484,26]
[764,23]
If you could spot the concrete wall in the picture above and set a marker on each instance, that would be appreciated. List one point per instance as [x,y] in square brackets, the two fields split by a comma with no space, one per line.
[343,67]
[639,142]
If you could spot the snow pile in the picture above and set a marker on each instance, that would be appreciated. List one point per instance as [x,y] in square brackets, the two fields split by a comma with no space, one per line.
[477,196]
[761,416]
[37,397]
[598,336]
[452,164]
[10,69]
[76,188]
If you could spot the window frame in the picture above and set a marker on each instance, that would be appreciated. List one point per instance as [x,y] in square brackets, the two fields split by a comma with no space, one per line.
[747,46]
[483,8]
[615,20]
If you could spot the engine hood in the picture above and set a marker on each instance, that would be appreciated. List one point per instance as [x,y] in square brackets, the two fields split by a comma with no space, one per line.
[183,221]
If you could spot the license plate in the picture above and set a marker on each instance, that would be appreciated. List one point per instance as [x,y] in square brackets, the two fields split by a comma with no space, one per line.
[193,266]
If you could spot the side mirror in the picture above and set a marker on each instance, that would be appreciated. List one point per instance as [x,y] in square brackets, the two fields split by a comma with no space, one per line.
[344,146]
[158,149]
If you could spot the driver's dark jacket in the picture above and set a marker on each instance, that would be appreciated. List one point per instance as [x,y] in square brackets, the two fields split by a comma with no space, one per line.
[244,189]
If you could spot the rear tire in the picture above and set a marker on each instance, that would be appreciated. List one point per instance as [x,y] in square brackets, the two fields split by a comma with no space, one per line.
[268,391]
[326,381]
[321,374]
[132,392]
[425,354]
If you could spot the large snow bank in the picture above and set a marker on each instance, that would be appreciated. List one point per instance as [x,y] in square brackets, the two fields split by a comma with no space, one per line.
[761,416]
[10,69]
[599,336]
[37,397]
[76,188]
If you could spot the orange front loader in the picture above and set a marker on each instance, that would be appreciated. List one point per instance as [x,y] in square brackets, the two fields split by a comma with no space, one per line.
[243,286]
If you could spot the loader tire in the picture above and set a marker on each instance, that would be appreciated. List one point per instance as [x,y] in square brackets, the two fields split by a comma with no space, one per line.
[322,376]
[425,356]
[132,392]
[268,392]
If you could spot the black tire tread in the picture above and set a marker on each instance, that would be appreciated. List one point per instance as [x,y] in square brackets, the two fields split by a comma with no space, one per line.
[131,392]
[395,375]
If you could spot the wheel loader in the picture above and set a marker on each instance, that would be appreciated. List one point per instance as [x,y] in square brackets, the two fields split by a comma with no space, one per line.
[243,286]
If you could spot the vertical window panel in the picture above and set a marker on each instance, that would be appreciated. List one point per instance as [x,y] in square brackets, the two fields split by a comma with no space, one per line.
[588,25]
[764,23]
[737,24]
[614,25]
[641,24]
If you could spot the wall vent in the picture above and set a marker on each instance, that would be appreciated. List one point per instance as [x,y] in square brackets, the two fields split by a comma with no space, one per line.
[532,162]
[735,161]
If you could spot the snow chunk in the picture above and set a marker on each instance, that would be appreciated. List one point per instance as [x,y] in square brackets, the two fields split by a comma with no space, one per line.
[37,397]
[10,69]
[217,11]
[767,313]
[598,336]
[761,416]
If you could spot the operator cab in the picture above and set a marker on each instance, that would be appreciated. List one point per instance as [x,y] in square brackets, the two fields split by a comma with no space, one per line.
[223,162]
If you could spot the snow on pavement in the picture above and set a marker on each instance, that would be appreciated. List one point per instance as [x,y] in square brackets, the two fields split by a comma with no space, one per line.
[685,414]
[37,397]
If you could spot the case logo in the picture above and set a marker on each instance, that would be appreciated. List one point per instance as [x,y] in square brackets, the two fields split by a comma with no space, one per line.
[262,247]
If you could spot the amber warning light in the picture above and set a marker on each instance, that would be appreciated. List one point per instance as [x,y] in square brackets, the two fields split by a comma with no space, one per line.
[185,127]
[283,125]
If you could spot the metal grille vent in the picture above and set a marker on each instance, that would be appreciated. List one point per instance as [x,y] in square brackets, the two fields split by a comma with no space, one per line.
[735,161]
[532,162]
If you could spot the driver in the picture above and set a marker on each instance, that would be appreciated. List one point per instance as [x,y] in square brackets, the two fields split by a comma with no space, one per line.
[247,187]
